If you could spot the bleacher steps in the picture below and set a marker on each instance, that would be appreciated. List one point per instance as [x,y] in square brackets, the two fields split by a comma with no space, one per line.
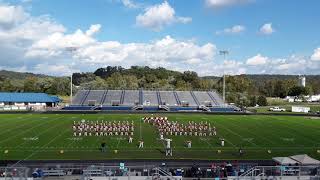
[194,98]
[104,97]
[85,97]
[122,96]
[176,97]
[212,98]
[140,96]
[159,98]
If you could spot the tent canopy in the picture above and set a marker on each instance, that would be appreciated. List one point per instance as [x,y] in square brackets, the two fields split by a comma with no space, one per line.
[284,160]
[304,159]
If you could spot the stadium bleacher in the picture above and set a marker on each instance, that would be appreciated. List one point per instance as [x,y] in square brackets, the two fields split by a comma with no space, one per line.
[131,97]
[185,96]
[203,97]
[94,97]
[168,98]
[215,97]
[149,100]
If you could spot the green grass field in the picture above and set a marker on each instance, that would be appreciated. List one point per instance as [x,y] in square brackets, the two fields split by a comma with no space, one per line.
[43,136]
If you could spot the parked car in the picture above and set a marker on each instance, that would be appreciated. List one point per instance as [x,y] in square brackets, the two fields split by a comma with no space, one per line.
[277,109]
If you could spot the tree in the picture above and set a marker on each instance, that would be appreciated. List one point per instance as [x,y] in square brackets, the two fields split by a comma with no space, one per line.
[183,86]
[253,101]
[280,89]
[131,82]
[296,91]
[205,84]
[30,84]
[108,71]
[191,77]
[45,84]
[78,78]
[262,101]
[6,85]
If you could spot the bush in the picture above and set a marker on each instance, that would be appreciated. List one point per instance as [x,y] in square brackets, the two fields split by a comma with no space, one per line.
[262,101]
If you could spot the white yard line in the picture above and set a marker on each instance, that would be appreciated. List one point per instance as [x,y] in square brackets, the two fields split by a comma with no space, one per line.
[24,131]
[38,149]
[248,132]
[25,122]
[235,133]
[43,132]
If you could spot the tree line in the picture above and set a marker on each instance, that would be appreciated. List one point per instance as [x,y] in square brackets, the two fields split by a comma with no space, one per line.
[244,90]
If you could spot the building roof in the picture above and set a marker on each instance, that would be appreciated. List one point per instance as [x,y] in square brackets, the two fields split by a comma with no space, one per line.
[284,160]
[26,97]
[304,159]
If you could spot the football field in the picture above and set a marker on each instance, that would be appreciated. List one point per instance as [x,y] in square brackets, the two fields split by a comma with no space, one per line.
[50,137]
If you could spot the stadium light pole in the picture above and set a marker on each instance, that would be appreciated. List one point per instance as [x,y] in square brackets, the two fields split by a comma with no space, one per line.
[224,53]
[71,88]
[71,50]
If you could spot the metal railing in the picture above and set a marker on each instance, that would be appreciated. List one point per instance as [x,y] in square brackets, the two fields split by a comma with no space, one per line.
[281,171]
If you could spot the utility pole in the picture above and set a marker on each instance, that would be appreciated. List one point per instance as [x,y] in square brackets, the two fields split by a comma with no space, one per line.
[224,53]
[71,89]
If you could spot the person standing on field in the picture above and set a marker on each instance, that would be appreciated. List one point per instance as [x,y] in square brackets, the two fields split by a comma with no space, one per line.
[141,144]
[168,147]
[222,142]
[130,139]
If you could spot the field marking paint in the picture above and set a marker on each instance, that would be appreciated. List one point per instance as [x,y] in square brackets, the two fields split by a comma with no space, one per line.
[299,133]
[287,139]
[23,132]
[206,140]
[118,142]
[248,139]
[27,130]
[274,134]
[46,145]
[44,131]
[35,138]
[266,139]
[25,122]
[235,134]
[75,138]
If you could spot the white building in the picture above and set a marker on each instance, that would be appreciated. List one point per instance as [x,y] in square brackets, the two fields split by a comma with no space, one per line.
[300,109]
[302,81]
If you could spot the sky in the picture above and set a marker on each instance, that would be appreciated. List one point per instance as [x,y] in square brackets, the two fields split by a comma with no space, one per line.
[59,37]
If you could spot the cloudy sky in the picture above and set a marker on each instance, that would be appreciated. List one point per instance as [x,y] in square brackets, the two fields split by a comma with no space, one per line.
[58,37]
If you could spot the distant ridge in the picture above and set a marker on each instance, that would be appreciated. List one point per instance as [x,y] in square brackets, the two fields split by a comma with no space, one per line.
[19,75]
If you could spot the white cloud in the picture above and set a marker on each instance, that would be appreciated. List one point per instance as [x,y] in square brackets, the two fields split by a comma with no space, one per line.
[236,29]
[267,29]
[129,4]
[257,60]
[93,29]
[193,61]
[316,55]
[225,3]
[158,16]
[40,44]
[11,15]
[164,52]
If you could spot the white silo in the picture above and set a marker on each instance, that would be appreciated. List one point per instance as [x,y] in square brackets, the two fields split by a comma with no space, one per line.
[302,81]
